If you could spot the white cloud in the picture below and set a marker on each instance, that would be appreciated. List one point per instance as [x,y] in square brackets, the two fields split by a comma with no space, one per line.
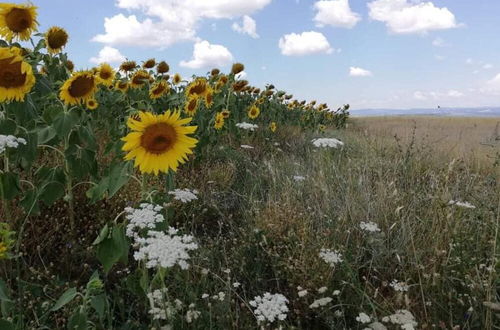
[241,75]
[418,95]
[487,66]
[495,82]
[439,42]
[439,95]
[248,26]
[469,61]
[492,86]
[306,43]
[109,55]
[169,21]
[336,13]
[359,72]
[454,93]
[404,16]
[206,55]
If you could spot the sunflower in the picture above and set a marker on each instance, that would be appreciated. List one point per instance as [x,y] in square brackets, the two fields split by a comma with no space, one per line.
[80,87]
[128,66]
[162,67]
[176,79]
[215,72]
[106,74]
[225,113]
[197,88]
[91,104]
[17,21]
[239,85]
[3,250]
[253,112]
[209,98]
[70,65]
[158,89]
[16,76]
[191,106]
[237,68]
[55,39]
[139,79]
[159,143]
[219,121]
[149,63]
[273,126]
[122,86]
[322,128]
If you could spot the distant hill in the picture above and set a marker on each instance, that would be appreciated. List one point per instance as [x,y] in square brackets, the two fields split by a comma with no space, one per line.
[445,112]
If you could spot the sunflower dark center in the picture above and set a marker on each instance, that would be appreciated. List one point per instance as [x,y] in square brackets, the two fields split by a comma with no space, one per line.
[57,39]
[10,74]
[158,138]
[18,19]
[139,79]
[158,90]
[81,86]
[104,74]
[198,89]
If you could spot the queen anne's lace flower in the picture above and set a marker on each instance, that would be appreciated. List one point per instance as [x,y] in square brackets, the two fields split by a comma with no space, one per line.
[327,143]
[363,318]
[399,286]
[331,257]
[247,126]
[165,249]
[403,318]
[145,217]
[371,227]
[10,141]
[299,178]
[184,195]
[320,302]
[270,307]
[466,205]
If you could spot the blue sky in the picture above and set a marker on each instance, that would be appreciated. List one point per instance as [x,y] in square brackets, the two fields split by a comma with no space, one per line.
[368,53]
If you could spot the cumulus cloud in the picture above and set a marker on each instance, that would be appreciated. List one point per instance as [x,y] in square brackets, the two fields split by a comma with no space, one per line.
[336,13]
[248,26]
[359,72]
[418,95]
[306,43]
[109,55]
[206,55]
[439,95]
[405,17]
[169,21]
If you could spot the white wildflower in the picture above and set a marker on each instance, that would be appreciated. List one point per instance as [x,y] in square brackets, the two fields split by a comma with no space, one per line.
[246,146]
[160,308]
[466,205]
[399,286]
[205,296]
[270,307]
[363,318]
[144,217]
[322,289]
[192,315]
[220,296]
[403,318]
[299,178]
[331,257]
[320,302]
[165,249]
[302,293]
[247,126]
[10,141]
[184,195]
[236,284]
[327,142]
[338,313]
[371,227]
[336,292]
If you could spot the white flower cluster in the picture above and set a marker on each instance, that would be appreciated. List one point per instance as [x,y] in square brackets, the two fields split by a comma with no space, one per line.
[160,308]
[327,143]
[10,141]
[320,302]
[184,195]
[246,146]
[270,307]
[403,318]
[363,318]
[331,257]
[466,205]
[165,249]
[399,286]
[371,227]
[298,178]
[145,217]
[247,126]
[192,314]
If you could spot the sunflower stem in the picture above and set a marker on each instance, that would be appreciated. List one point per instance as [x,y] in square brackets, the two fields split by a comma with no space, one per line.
[69,189]
[2,192]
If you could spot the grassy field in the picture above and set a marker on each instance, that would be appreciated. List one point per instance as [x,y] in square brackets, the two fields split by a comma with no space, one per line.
[399,255]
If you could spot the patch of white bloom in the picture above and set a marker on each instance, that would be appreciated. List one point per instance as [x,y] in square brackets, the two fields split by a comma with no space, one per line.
[320,302]
[399,286]
[270,307]
[371,227]
[247,126]
[363,318]
[246,146]
[10,141]
[145,217]
[327,143]
[192,314]
[165,249]
[184,195]
[299,178]
[403,318]
[160,307]
[466,205]
[331,257]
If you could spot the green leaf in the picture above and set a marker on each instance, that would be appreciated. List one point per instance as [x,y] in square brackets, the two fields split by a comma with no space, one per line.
[6,325]
[103,234]
[51,192]
[64,123]
[78,321]
[121,241]
[65,298]
[9,185]
[99,304]
[117,178]
[8,127]
[97,192]
[46,134]
[3,291]
[29,203]
[113,249]
[51,112]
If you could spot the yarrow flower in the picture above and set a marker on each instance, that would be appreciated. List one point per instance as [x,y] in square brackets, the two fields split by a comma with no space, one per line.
[184,195]
[145,217]
[466,205]
[399,286]
[270,307]
[320,302]
[331,257]
[369,226]
[363,318]
[247,126]
[161,308]
[327,142]
[165,249]
[298,178]
[10,141]
[403,318]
